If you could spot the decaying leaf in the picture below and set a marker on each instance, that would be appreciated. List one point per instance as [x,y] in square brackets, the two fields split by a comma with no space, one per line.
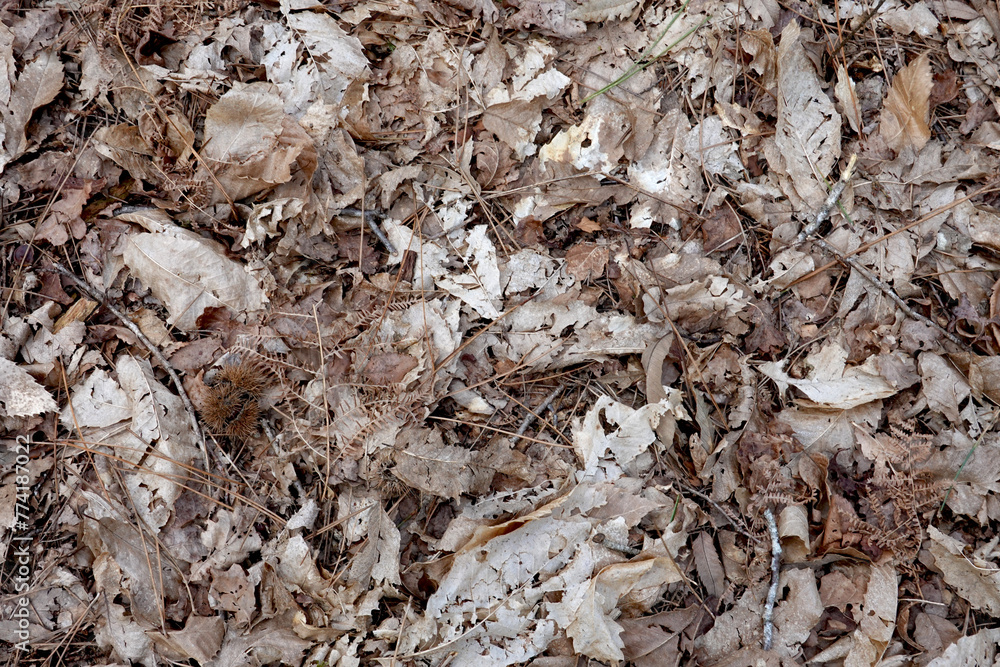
[428,464]
[904,119]
[831,383]
[807,134]
[189,273]
[38,83]
[20,394]
[251,145]
[534,416]
[975,578]
[586,261]
[634,432]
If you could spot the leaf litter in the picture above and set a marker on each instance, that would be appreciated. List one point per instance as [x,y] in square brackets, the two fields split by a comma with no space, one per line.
[504,331]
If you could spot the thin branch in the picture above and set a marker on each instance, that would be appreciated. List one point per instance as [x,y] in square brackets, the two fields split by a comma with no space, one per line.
[809,231]
[102,298]
[735,520]
[772,593]
[530,418]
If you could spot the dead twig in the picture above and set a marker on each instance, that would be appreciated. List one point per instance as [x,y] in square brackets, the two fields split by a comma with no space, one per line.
[737,523]
[102,298]
[533,415]
[809,231]
[772,593]
[371,218]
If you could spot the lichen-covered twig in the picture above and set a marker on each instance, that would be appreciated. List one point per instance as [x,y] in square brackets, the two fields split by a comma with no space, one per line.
[772,593]
[102,298]
[831,200]
[809,231]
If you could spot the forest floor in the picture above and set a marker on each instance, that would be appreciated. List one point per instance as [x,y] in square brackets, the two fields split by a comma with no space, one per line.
[474,333]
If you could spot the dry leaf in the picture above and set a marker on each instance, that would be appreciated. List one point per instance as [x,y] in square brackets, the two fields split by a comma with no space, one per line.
[20,394]
[721,229]
[378,561]
[516,123]
[426,463]
[586,261]
[40,81]
[831,383]
[709,566]
[549,17]
[906,112]
[593,11]
[251,145]
[593,629]
[847,96]
[943,386]
[200,639]
[807,134]
[189,273]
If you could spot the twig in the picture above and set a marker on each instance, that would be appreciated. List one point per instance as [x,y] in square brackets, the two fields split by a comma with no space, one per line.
[532,416]
[772,593]
[370,217]
[809,231]
[888,291]
[862,22]
[737,524]
[831,201]
[102,298]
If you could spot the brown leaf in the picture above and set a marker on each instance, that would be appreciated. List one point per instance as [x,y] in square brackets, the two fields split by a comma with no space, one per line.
[806,141]
[945,88]
[428,464]
[709,566]
[388,368]
[766,336]
[515,123]
[586,261]
[64,215]
[529,232]
[585,224]
[907,109]
[550,18]
[39,83]
[251,144]
[721,229]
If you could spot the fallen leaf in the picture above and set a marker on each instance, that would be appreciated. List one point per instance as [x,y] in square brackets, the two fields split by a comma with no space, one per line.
[39,83]
[20,394]
[906,112]
[807,133]
[251,144]
[721,229]
[831,383]
[974,577]
[189,273]
[586,261]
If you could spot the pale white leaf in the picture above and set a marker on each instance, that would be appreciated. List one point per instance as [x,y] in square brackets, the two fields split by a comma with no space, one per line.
[20,394]
[189,273]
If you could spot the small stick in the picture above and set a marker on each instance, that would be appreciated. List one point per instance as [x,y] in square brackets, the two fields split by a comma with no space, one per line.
[370,218]
[102,298]
[772,593]
[735,520]
[888,291]
[824,213]
[831,201]
[532,416]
